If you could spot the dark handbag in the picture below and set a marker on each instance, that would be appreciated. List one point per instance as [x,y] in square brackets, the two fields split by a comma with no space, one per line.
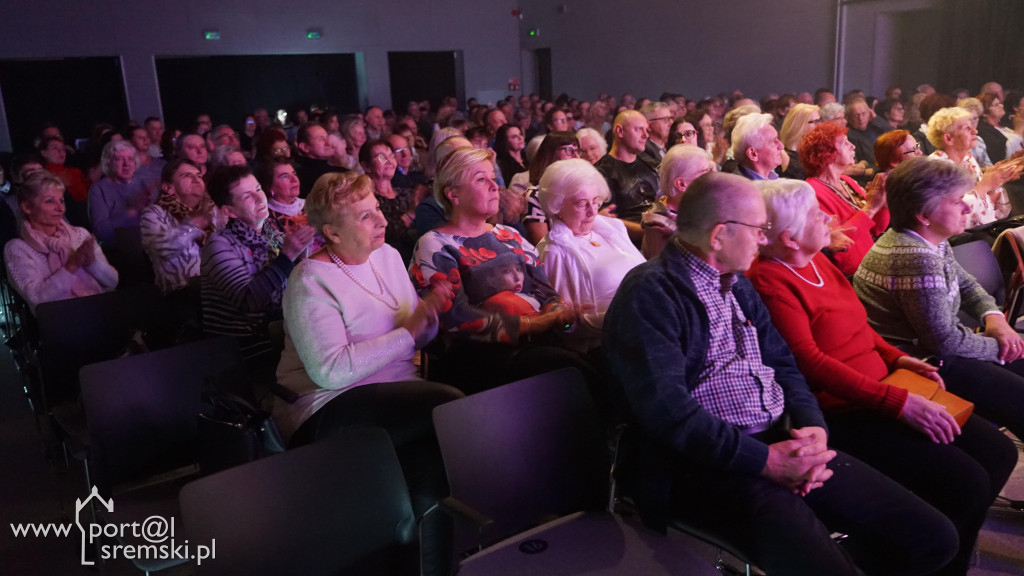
[232,431]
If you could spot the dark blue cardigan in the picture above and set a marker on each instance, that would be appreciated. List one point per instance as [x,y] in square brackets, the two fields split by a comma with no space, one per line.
[656,335]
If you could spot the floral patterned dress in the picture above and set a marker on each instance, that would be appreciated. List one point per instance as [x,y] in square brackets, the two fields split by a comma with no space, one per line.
[496,277]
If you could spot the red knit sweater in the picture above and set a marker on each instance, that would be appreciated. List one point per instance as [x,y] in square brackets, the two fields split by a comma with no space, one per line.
[827,328]
[864,228]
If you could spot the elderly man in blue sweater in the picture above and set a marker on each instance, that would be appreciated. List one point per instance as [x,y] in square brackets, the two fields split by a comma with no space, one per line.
[728,436]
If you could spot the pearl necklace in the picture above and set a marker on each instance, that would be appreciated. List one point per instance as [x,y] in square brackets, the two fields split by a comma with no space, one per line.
[821,281]
[381,285]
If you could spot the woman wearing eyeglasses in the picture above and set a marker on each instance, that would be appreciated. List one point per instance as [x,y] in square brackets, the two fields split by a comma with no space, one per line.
[556,146]
[858,216]
[585,255]
[398,205]
[799,121]
[894,147]
[681,132]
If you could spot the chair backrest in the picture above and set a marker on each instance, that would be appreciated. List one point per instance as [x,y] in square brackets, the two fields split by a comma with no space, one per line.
[80,331]
[141,410]
[979,261]
[338,506]
[526,451]
[132,263]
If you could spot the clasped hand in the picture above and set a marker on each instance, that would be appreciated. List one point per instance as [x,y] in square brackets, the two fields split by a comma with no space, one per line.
[800,464]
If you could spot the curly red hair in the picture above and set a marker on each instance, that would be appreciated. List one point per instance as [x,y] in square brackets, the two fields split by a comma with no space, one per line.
[818,147]
[887,149]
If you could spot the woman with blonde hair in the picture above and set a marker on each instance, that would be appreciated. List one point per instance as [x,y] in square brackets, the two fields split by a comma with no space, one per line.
[504,304]
[799,121]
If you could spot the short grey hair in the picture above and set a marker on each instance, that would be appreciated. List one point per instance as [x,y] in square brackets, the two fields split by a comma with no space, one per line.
[651,109]
[787,203]
[111,150]
[747,134]
[917,186]
[942,122]
[972,105]
[829,111]
[219,156]
[682,160]
[593,134]
[564,178]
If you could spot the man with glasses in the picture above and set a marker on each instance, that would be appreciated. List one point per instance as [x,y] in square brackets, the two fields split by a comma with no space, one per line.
[659,121]
[726,434]
[405,176]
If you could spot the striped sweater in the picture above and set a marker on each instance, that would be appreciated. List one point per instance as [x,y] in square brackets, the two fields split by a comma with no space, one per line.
[171,246]
[238,298]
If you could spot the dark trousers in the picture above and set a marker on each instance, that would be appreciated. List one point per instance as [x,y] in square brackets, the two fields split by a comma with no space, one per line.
[960,479]
[996,390]
[404,410]
[891,531]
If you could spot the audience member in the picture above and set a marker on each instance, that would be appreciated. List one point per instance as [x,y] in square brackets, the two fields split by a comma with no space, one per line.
[913,288]
[952,133]
[659,120]
[904,435]
[312,152]
[632,176]
[245,265]
[799,121]
[505,311]
[348,354]
[175,227]
[683,164]
[585,254]
[555,146]
[729,437]
[398,205]
[117,200]
[756,147]
[859,216]
[52,260]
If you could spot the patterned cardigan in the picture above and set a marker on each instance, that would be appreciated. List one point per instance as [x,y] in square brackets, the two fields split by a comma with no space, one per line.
[913,291]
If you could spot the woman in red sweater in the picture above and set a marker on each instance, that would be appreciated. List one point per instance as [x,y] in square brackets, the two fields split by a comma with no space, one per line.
[825,153]
[907,437]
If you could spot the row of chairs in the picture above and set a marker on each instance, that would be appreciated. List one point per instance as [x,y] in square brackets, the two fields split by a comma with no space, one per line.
[528,464]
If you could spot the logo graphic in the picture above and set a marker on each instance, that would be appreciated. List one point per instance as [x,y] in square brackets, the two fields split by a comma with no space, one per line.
[156,532]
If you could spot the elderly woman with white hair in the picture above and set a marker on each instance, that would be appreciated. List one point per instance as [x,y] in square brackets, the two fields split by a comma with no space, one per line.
[117,200]
[585,254]
[683,164]
[916,442]
[952,132]
[593,145]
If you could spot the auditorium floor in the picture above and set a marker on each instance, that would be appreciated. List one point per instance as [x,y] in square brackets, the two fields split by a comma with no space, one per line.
[32,492]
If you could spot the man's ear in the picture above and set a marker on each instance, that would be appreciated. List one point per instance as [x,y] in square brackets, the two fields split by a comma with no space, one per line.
[167,188]
[751,154]
[716,237]
[619,130]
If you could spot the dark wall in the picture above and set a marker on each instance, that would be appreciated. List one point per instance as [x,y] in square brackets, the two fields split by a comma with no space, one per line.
[72,93]
[228,87]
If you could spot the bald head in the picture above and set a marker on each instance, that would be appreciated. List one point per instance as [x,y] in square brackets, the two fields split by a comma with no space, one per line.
[719,219]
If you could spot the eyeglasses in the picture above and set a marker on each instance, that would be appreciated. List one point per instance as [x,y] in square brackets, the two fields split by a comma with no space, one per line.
[402,149]
[663,118]
[570,150]
[915,150]
[385,157]
[687,134]
[764,229]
